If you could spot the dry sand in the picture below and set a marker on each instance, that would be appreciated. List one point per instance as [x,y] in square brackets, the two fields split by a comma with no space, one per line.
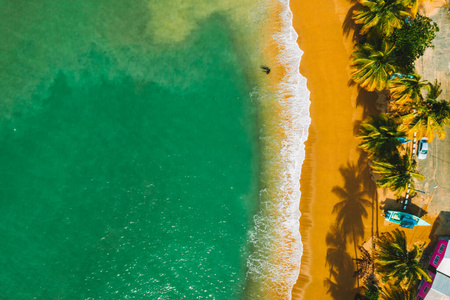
[339,203]
[333,171]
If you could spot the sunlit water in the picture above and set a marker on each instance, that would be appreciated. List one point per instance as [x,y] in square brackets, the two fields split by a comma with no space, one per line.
[134,159]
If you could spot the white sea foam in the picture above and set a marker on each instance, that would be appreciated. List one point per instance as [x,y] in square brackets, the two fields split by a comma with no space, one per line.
[274,263]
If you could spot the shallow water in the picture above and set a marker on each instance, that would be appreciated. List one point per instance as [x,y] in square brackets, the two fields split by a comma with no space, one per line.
[115,184]
[131,162]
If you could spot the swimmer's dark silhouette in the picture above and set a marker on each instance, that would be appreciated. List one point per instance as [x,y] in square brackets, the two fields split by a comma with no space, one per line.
[265,69]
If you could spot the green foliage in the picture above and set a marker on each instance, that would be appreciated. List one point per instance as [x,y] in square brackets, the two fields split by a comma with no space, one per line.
[372,293]
[381,16]
[380,136]
[398,173]
[429,118]
[394,259]
[412,39]
[372,65]
[408,89]
[434,90]
[394,292]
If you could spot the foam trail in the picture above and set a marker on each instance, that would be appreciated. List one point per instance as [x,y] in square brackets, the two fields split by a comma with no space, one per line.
[274,263]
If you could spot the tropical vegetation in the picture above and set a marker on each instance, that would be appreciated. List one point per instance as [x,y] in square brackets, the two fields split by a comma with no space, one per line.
[372,293]
[394,36]
[428,119]
[391,37]
[394,259]
[381,136]
[398,175]
[396,292]
[412,39]
[408,89]
[372,65]
[383,16]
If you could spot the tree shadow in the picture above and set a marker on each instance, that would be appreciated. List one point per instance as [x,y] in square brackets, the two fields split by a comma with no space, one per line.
[396,205]
[368,182]
[357,195]
[341,282]
[368,101]
[351,210]
[416,210]
[349,25]
[371,104]
[390,204]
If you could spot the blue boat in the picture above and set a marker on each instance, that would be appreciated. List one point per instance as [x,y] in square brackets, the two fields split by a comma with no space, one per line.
[403,219]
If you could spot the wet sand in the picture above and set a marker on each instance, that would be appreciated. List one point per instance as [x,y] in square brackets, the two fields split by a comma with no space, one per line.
[334,170]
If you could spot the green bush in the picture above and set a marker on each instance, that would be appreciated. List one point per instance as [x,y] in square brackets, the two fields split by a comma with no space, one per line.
[412,39]
[372,293]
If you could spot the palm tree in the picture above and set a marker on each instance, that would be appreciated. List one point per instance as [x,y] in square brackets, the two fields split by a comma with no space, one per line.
[380,136]
[408,89]
[393,259]
[413,5]
[430,118]
[372,65]
[434,90]
[393,292]
[382,15]
[398,174]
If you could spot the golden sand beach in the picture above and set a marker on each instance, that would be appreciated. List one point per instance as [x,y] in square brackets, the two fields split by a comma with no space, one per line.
[340,205]
[333,170]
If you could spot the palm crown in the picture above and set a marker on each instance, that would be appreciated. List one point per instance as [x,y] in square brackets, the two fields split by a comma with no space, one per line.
[382,15]
[380,136]
[408,89]
[398,174]
[429,118]
[372,66]
[394,259]
[395,292]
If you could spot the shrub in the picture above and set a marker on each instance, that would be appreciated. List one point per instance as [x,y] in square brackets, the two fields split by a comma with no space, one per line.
[412,40]
[372,293]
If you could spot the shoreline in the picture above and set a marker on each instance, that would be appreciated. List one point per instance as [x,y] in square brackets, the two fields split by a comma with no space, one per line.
[283,102]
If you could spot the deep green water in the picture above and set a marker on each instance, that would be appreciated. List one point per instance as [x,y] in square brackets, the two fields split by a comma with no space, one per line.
[127,164]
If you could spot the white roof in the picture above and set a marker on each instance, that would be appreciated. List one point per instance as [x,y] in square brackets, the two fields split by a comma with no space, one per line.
[444,266]
[440,289]
[435,295]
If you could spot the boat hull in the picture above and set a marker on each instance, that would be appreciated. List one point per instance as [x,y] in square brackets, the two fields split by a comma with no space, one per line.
[404,219]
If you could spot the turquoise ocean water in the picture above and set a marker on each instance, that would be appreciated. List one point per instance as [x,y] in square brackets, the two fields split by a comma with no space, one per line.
[129,150]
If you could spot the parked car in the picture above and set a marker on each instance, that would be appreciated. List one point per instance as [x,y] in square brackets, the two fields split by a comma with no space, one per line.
[422,149]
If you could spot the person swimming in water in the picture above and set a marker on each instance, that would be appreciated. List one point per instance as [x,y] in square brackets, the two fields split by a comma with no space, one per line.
[265,69]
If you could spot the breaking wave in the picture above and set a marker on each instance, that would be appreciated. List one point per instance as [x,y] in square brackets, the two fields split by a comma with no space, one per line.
[274,262]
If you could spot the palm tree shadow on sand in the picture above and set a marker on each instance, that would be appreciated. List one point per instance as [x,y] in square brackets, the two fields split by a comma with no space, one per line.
[341,283]
[357,195]
[349,26]
[351,210]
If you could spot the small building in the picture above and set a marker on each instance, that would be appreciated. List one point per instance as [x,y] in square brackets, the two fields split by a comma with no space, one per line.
[439,270]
